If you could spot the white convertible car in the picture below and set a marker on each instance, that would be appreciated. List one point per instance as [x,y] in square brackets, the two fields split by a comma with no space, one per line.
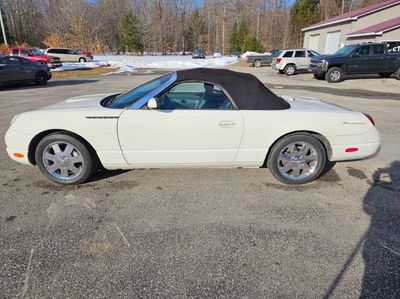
[191,118]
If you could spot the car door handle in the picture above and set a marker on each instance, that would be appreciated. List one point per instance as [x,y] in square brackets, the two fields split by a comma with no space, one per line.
[226,123]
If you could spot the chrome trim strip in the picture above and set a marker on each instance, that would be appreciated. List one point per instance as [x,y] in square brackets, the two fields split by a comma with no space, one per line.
[102,117]
[139,104]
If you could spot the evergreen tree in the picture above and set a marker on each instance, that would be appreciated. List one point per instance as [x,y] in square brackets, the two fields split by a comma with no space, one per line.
[195,34]
[242,40]
[130,37]
[302,14]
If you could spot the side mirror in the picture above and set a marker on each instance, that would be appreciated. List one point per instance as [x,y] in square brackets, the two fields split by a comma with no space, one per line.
[152,104]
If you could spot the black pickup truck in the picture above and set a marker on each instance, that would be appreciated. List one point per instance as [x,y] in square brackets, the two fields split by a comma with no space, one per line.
[356,59]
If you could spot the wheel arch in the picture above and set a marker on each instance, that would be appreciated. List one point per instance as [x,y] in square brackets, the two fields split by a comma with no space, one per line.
[38,137]
[324,141]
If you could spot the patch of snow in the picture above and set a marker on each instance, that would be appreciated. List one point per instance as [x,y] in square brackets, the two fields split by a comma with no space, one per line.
[127,63]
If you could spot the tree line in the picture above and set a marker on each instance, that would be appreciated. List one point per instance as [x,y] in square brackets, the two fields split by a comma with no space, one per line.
[166,26]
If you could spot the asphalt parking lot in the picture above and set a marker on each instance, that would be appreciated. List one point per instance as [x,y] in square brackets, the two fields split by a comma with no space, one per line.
[205,232]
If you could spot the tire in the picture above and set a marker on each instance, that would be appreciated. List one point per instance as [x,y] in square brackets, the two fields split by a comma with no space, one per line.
[397,74]
[257,63]
[41,78]
[82,59]
[281,72]
[334,75]
[290,165]
[69,160]
[385,75]
[290,69]
[319,77]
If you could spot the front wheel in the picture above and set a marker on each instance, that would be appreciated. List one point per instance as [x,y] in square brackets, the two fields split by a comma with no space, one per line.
[64,159]
[82,59]
[257,63]
[297,159]
[41,78]
[334,75]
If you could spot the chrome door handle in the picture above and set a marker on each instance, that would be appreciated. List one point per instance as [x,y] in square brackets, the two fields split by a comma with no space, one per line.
[226,123]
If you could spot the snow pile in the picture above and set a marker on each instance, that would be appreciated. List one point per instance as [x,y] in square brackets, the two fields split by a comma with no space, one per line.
[126,63]
[249,53]
[70,66]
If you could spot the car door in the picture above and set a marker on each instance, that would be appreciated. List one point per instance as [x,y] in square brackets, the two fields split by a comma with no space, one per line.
[10,70]
[28,69]
[195,124]
[359,62]
[301,59]
[73,55]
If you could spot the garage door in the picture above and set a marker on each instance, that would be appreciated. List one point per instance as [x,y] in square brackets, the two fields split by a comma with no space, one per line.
[314,42]
[332,42]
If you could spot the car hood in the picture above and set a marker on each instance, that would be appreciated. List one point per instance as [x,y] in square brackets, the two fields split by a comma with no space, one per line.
[81,102]
[326,56]
[314,104]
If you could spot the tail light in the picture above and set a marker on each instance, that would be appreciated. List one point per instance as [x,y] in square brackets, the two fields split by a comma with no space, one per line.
[278,60]
[370,118]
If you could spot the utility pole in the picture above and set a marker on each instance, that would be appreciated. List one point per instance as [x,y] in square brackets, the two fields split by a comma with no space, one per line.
[3,29]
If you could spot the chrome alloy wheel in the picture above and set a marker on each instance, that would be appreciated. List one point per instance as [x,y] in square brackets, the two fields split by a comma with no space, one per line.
[335,75]
[297,160]
[63,161]
[290,70]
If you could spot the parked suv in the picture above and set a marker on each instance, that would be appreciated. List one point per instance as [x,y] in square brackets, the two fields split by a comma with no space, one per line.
[37,56]
[199,54]
[292,60]
[70,55]
[369,58]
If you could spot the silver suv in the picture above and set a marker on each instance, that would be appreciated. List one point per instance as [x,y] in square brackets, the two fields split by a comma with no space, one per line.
[292,60]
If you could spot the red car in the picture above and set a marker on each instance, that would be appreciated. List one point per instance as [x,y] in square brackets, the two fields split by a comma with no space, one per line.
[37,56]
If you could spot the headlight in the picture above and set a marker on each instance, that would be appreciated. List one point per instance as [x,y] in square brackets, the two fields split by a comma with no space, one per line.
[14,118]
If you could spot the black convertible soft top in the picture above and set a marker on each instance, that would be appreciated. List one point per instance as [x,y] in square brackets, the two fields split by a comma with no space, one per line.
[246,90]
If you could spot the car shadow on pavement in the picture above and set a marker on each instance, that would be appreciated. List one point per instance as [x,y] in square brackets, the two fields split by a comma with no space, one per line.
[380,245]
[103,174]
[60,82]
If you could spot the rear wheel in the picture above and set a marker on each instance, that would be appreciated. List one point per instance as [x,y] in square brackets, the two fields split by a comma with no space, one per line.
[397,74]
[385,75]
[82,59]
[257,63]
[290,69]
[297,159]
[64,159]
[334,75]
[41,78]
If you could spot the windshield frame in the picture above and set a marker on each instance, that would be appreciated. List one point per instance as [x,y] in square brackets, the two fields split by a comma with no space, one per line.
[139,102]
[353,47]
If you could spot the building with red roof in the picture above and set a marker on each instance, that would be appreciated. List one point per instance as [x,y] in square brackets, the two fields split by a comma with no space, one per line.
[375,23]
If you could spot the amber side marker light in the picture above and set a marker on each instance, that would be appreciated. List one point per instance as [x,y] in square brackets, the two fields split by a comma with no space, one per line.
[18,155]
[351,150]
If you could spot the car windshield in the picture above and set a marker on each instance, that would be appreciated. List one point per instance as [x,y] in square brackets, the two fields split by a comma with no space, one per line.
[36,52]
[131,96]
[346,50]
